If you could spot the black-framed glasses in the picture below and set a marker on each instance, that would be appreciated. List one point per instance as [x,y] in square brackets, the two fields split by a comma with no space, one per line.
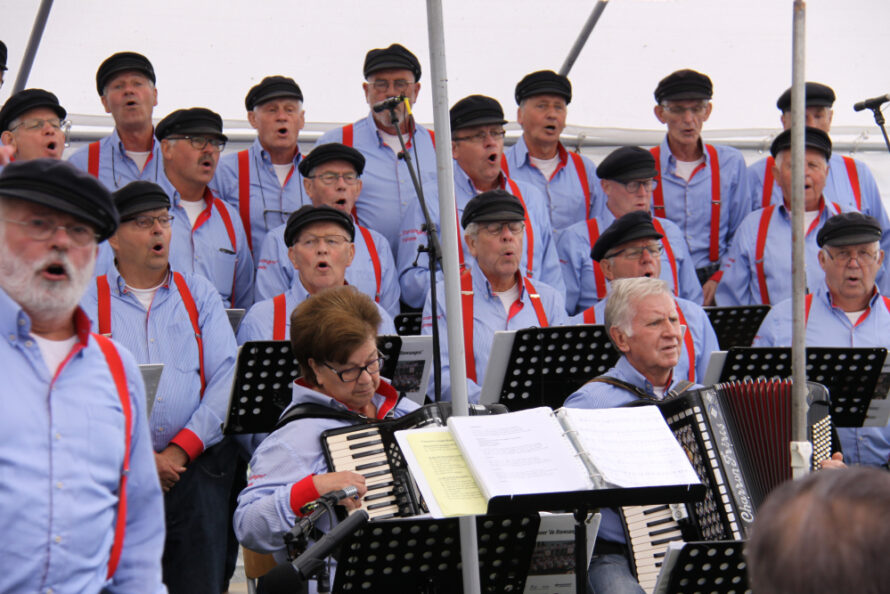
[352,374]
[634,186]
[42,229]
[655,250]
[148,221]
[329,178]
[479,137]
[199,142]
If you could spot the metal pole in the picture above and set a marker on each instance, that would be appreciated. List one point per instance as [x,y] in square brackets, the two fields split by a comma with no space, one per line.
[582,37]
[801,449]
[21,78]
[450,262]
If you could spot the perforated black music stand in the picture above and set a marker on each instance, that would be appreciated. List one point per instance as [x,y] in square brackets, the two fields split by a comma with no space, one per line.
[712,567]
[736,326]
[423,555]
[547,364]
[408,324]
[850,374]
[264,372]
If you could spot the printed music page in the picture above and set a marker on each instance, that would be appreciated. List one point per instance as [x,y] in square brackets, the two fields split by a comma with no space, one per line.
[631,447]
[441,474]
[519,453]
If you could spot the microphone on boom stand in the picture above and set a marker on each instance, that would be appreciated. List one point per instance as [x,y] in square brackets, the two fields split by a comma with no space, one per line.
[874,104]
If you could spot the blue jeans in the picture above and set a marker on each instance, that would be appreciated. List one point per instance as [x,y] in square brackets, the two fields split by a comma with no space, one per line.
[611,574]
[196,511]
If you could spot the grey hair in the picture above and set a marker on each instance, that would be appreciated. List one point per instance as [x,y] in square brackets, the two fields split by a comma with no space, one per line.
[623,294]
[472,230]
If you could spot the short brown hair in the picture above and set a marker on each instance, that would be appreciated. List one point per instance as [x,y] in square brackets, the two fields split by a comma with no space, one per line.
[330,326]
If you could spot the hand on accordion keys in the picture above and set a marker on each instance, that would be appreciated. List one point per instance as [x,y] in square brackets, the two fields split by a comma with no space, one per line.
[336,481]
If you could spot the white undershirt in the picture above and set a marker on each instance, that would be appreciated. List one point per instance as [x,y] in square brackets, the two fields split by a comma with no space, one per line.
[508,297]
[281,171]
[193,209]
[854,316]
[54,351]
[808,218]
[391,140]
[139,157]
[546,166]
[145,296]
[684,169]
[658,391]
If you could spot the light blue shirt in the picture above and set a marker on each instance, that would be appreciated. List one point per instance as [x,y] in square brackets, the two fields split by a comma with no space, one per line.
[415,279]
[387,189]
[829,326]
[116,168]
[164,334]
[275,273]
[61,458]
[489,316]
[270,202]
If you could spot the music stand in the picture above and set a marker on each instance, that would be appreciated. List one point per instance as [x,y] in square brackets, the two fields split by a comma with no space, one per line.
[261,388]
[408,324]
[850,374]
[423,555]
[543,366]
[711,567]
[736,325]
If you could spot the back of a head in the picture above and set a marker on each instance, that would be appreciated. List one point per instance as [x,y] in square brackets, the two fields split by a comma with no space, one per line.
[824,533]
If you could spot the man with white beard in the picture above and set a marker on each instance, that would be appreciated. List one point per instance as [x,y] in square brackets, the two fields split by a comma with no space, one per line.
[75,432]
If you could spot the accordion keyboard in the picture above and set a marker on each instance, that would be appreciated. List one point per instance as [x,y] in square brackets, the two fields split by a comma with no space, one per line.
[651,528]
[365,453]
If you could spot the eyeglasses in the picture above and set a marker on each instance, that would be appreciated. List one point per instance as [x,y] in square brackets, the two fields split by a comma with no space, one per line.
[147,221]
[844,257]
[329,178]
[332,241]
[199,142]
[654,250]
[42,229]
[38,124]
[679,110]
[400,85]
[479,137]
[496,229]
[353,373]
[634,186]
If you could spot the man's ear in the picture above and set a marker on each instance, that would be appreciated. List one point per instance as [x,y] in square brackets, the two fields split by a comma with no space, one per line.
[619,338]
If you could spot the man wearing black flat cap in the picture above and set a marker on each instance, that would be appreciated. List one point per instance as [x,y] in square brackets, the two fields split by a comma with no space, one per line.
[332,177]
[153,310]
[263,181]
[495,294]
[125,82]
[32,125]
[320,246]
[388,191]
[477,126]
[84,506]
[702,187]
[208,237]
[3,68]
[757,266]
[627,177]
[845,310]
[568,180]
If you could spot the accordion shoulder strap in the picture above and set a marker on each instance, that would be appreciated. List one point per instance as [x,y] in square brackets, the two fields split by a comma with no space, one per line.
[681,387]
[317,411]
[613,381]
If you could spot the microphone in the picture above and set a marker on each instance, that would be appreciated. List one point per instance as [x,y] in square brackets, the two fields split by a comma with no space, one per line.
[344,493]
[872,103]
[390,103]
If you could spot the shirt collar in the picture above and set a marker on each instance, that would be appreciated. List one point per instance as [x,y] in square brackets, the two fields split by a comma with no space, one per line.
[16,323]
[384,400]
[631,375]
[481,284]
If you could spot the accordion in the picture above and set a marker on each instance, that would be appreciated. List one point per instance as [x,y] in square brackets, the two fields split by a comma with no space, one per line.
[737,437]
[371,450]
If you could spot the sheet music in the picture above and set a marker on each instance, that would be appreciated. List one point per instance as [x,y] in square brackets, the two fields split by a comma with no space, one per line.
[412,372]
[631,447]
[552,566]
[519,453]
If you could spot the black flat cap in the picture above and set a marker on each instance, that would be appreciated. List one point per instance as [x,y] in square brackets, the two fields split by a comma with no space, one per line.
[63,187]
[476,110]
[492,206]
[121,62]
[332,151]
[543,82]
[633,225]
[139,196]
[684,84]
[627,163]
[814,138]
[849,228]
[393,57]
[818,95]
[306,215]
[2,56]
[195,120]
[272,87]
[26,100]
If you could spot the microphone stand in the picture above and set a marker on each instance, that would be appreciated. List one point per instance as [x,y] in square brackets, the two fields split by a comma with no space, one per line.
[433,249]
[879,120]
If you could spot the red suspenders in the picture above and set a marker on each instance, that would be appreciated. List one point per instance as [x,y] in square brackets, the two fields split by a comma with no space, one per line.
[375,258]
[466,296]
[279,317]
[808,303]
[347,135]
[854,181]
[593,233]
[765,218]
[227,221]
[93,159]
[687,339]
[767,183]
[589,316]
[529,231]
[658,198]
[580,169]
[244,193]
[670,254]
